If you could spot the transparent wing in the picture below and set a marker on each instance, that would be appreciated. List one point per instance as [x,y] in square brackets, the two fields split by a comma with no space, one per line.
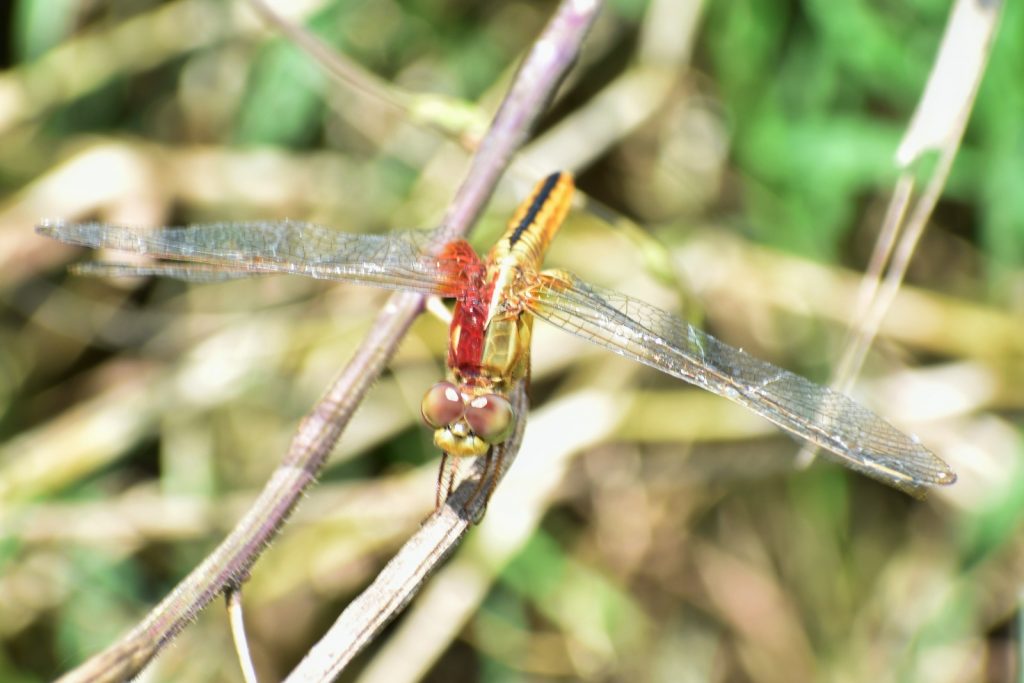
[193,272]
[853,435]
[218,251]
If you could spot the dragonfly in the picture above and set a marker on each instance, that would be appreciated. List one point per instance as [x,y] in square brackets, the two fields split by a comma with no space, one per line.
[496,301]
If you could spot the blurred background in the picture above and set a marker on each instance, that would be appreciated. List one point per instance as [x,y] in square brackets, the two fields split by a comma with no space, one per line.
[654,531]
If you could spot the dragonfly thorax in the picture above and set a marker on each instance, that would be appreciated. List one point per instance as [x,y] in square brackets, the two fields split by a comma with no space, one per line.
[485,349]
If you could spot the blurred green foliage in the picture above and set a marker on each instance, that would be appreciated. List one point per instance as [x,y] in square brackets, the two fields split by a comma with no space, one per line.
[820,94]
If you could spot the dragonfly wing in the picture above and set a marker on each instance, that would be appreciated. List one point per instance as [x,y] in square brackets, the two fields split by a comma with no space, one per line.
[853,435]
[394,260]
[193,272]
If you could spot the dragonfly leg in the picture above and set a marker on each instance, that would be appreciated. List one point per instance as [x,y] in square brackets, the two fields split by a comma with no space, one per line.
[485,483]
[494,464]
[446,476]
[497,455]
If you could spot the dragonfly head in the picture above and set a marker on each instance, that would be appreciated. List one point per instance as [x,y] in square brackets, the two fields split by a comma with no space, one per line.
[466,422]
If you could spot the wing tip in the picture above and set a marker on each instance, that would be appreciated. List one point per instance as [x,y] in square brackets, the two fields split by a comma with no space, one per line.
[80,234]
[48,227]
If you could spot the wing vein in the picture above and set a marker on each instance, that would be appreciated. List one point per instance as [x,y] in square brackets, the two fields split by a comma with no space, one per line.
[851,433]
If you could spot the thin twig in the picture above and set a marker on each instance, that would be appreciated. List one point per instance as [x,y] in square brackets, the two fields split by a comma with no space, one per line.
[236,616]
[937,126]
[547,63]
[403,576]
[540,74]
[352,77]
[455,593]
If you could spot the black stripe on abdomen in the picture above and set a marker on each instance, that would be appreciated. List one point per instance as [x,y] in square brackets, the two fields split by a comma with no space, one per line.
[538,202]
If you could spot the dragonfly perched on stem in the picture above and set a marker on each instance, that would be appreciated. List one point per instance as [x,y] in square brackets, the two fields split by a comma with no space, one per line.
[496,300]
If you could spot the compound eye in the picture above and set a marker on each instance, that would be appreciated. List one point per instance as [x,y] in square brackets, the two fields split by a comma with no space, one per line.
[491,417]
[442,405]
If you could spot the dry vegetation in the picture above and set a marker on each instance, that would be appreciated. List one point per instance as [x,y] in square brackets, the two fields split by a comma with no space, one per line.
[648,530]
